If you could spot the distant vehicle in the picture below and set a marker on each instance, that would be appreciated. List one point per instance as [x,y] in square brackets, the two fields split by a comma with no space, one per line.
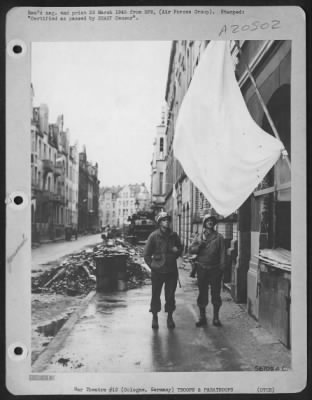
[142,224]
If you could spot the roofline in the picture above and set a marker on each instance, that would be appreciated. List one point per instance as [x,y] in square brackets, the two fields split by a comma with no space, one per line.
[172,53]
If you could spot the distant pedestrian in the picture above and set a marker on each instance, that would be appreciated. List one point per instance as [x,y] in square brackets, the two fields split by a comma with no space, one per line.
[105,234]
[161,251]
[108,232]
[210,262]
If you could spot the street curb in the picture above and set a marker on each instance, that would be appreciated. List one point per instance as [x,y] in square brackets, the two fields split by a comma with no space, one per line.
[35,245]
[47,241]
[41,363]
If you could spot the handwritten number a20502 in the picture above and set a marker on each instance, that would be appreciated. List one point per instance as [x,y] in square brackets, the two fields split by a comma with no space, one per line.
[253,26]
[223,30]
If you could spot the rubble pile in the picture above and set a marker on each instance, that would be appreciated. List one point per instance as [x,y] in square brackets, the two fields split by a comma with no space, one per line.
[136,274]
[137,271]
[76,275]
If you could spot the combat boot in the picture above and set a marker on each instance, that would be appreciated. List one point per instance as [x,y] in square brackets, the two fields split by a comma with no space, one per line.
[216,320]
[170,322]
[202,317]
[155,321]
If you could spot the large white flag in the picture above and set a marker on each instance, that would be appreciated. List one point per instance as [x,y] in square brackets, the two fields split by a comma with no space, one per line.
[222,150]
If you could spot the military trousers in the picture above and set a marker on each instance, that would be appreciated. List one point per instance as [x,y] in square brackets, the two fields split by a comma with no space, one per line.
[206,278]
[159,279]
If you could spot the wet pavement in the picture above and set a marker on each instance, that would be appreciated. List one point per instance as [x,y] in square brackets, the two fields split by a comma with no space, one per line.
[60,286]
[114,334]
[50,310]
[49,313]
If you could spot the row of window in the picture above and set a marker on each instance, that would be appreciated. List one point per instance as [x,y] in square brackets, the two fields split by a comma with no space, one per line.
[126,195]
[53,185]
[60,216]
[46,152]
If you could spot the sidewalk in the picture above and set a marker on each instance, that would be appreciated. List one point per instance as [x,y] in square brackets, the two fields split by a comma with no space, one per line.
[114,334]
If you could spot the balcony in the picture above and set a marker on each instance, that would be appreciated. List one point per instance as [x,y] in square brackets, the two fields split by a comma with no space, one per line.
[35,187]
[39,131]
[33,158]
[58,171]
[58,198]
[46,196]
[47,166]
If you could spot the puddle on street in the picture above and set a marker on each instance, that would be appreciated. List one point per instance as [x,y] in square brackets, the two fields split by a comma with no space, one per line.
[103,311]
[103,297]
[103,307]
[104,302]
[52,327]
[110,300]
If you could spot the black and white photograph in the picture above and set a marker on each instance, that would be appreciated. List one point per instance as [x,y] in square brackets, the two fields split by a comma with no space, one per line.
[161,206]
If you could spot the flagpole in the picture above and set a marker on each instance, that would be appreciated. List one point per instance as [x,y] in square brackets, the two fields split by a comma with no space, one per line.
[171,117]
[174,191]
[266,111]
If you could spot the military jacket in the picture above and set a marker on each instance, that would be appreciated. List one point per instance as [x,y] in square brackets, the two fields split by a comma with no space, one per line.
[158,253]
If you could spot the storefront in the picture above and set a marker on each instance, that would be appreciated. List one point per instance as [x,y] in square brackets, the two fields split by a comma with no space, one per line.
[264,221]
[275,293]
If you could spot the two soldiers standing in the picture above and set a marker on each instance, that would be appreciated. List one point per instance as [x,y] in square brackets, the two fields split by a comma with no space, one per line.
[161,251]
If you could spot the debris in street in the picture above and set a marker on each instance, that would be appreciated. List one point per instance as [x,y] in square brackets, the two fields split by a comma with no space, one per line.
[57,275]
[136,274]
[76,275]
[67,362]
[63,361]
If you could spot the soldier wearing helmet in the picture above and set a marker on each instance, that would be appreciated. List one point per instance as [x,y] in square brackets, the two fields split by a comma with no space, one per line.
[210,250]
[161,251]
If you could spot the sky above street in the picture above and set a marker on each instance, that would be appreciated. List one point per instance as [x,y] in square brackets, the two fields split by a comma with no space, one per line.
[111,95]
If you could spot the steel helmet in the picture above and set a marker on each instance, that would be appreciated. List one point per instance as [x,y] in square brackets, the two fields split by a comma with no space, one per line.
[162,215]
[210,216]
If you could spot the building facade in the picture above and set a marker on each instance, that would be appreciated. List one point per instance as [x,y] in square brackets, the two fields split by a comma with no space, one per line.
[73,186]
[108,206]
[131,198]
[88,195]
[158,167]
[183,200]
[262,223]
[49,177]
[265,218]
[180,191]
